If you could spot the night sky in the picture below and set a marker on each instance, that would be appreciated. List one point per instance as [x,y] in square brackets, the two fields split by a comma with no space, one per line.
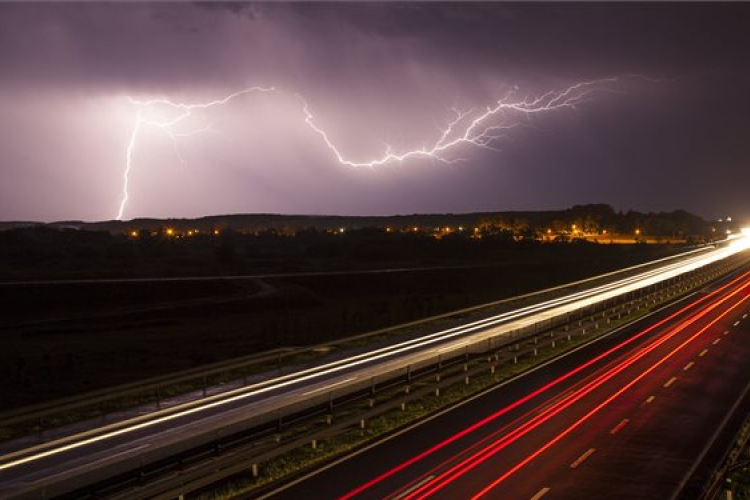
[671,130]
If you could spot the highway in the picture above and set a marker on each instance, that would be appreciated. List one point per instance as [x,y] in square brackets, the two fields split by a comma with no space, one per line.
[80,458]
[630,417]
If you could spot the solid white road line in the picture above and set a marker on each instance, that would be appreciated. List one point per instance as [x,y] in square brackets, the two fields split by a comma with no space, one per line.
[329,386]
[413,488]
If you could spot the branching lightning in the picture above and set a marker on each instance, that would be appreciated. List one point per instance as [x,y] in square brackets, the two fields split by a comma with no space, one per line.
[475,128]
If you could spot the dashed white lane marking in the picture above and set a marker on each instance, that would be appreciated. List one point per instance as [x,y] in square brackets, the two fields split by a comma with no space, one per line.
[619,426]
[688,366]
[670,382]
[717,341]
[650,399]
[540,494]
[582,458]
[736,323]
[703,353]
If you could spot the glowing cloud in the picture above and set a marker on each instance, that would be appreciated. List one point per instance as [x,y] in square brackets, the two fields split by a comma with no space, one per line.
[476,128]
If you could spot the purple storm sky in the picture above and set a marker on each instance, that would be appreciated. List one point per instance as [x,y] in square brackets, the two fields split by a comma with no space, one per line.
[373,75]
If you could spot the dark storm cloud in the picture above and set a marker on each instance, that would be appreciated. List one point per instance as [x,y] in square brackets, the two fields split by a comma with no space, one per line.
[372,72]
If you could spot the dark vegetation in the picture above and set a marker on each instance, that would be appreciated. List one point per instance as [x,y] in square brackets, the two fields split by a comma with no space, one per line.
[64,338]
[241,244]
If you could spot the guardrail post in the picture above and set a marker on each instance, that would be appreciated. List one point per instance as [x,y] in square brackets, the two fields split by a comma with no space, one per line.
[254,470]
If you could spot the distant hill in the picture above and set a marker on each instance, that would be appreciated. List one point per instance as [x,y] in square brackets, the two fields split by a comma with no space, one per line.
[588,218]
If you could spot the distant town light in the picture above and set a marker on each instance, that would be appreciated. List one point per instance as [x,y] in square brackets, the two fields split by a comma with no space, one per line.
[637,231]
[341,230]
[170,231]
[216,232]
[134,234]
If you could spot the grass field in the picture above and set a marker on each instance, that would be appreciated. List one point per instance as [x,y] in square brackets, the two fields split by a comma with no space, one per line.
[65,339]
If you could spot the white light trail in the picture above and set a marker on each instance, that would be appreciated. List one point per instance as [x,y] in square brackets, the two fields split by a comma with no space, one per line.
[475,128]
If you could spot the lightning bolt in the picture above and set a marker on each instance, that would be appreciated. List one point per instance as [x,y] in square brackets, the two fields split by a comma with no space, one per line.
[477,128]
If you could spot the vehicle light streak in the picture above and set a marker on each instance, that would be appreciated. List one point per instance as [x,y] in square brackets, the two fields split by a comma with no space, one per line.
[591,413]
[578,299]
[480,457]
[534,394]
